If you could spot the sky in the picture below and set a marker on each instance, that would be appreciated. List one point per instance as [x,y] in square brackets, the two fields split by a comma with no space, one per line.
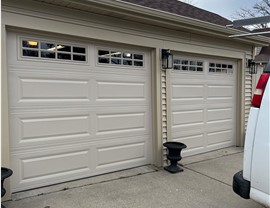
[225,8]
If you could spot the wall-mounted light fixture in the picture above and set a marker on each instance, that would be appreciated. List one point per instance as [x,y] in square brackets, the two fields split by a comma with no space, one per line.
[167,59]
[252,66]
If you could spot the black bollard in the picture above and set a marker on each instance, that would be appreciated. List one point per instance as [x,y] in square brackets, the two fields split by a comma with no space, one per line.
[174,155]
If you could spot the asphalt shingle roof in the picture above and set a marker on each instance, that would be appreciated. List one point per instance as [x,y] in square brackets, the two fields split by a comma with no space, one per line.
[264,55]
[262,30]
[183,9]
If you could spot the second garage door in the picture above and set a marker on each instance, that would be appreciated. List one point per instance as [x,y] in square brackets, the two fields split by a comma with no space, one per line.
[203,103]
[76,109]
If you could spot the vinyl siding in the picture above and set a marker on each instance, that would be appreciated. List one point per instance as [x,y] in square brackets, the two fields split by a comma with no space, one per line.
[248,94]
[164,113]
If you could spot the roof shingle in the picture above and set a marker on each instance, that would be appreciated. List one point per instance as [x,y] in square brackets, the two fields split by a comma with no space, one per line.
[264,55]
[183,9]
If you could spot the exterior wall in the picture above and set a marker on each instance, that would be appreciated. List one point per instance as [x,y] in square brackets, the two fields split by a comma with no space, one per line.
[5,156]
[248,90]
[46,19]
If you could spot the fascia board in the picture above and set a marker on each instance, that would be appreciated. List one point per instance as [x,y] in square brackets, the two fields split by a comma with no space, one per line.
[162,19]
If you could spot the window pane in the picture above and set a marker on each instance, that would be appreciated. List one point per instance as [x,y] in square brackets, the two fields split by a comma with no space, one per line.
[138,63]
[212,65]
[230,66]
[199,63]
[115,61]
[48,46]
[116,54]
[224,70]
[176,67]
[185,62]
[127,55]
[127,62]
[104,60]
[104,53]
[192,68]
[138,56]
[47,54]
[29,44]
[184,68]
[200,69]
[218,65]
[177,61]
[78,50]
[211,70]
[64,56]
[192,62]
[30,53]
[218,70]
[63,48]
[79,58]
[224,65]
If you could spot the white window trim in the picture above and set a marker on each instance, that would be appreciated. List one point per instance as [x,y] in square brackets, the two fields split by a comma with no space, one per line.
[53,41]
[189,71]
[230,71]
[121,58]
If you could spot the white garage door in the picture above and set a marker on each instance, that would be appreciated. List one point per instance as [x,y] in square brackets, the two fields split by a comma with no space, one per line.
[76,109]
[203,103]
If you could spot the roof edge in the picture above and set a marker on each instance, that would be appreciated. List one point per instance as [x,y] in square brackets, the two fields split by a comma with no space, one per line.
[158,17]
[154,13]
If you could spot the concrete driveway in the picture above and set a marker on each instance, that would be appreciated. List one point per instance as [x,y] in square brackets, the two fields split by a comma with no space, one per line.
[205,183]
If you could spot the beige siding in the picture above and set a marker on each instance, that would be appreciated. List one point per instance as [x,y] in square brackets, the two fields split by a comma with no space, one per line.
[164,112]
[249,87]
[248,94]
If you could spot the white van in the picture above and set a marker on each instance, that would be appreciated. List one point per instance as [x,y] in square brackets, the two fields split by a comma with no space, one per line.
[254,180]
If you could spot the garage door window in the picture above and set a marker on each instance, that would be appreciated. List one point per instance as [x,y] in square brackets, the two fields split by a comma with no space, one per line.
[53,51]
[121,58]
[188,65]
[220,68]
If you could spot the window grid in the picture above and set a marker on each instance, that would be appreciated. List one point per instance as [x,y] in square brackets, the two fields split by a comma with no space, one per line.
[221,68]
[52,51]
[188,65]
[121,58]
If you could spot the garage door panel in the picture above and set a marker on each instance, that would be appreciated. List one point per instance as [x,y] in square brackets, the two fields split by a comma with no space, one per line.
[219,114]
[217,137]
[49,129]
[220,126]
[121,91]
[187,92]
[116,123]
[34,89]
[114,155]
[220,92]
[48,166]
[187,117]
[56,126]
[51,89]
[192,141]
